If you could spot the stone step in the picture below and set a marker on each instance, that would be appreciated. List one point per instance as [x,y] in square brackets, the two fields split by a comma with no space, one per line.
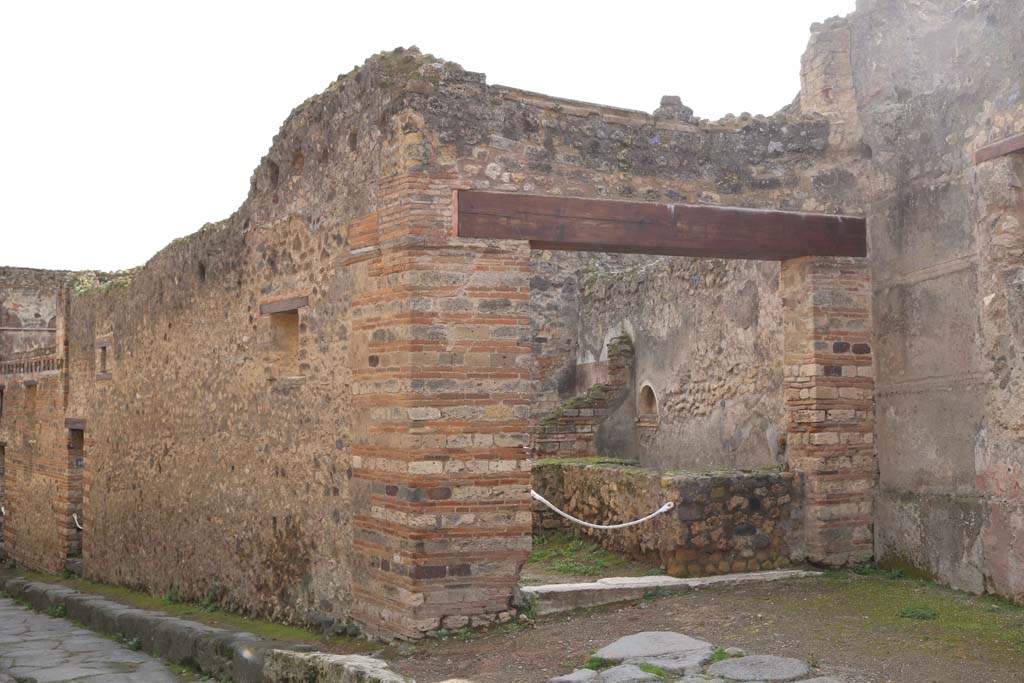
[556,598]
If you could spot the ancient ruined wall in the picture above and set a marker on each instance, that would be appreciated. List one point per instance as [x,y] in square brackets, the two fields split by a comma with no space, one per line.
[317,409]
[932,82]
[510,140]
[29,302]
[707,331]
[219,435]
[211,468]
[34,484]
[38,528]
[708,342]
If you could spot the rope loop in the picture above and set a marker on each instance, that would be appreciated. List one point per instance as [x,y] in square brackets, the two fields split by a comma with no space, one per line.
[664,508]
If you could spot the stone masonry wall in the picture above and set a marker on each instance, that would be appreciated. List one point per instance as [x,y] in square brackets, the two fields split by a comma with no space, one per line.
[29,303]
[219,441]
[38,528]
[723,521]
[708,338]
[572,428]
[316,409]
[933,82]
[36,491]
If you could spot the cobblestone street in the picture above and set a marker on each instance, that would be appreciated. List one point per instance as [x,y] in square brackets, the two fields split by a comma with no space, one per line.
[48,650]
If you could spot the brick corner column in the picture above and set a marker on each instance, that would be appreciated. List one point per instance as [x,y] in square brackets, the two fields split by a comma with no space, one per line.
[829,396]
[442,388]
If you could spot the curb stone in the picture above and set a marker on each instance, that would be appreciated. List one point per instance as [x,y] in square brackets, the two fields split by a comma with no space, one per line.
[215,652]
[317,666]
[565,597]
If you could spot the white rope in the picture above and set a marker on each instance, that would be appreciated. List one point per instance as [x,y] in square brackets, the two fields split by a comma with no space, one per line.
[74,516]
[664,508]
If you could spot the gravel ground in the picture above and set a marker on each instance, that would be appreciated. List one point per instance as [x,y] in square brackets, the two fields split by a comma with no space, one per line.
[862,629]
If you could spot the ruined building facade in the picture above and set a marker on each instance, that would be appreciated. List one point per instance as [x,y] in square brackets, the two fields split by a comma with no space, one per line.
[317,408]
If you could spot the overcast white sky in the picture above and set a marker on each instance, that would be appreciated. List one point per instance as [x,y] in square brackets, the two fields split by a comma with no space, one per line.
[127,124]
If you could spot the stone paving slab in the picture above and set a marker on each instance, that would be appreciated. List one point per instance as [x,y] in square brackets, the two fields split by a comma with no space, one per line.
[670,652]
[224,655]
[677,658]
[51,650]
[760,668]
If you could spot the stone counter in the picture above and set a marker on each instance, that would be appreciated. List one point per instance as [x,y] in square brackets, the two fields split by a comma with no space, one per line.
[723,521]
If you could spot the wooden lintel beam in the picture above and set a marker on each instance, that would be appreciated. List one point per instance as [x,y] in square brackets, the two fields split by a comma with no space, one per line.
[284,305]
[1010,145]
[573,224]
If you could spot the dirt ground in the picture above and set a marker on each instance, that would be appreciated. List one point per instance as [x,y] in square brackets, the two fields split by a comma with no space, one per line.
[862,628]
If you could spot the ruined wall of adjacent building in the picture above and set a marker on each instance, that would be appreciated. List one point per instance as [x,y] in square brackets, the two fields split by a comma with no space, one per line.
[29,302]
[34,481]
[932,82]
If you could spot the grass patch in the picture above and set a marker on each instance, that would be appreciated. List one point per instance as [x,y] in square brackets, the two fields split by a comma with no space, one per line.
[718,655]
[919,613]
[598,664]
[566,553]
[206,613]
[652,669]
[895,608]
[872,569]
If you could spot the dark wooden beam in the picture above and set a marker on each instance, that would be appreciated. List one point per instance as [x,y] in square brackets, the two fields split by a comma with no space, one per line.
[1010,145]
[282,305]
[571,224]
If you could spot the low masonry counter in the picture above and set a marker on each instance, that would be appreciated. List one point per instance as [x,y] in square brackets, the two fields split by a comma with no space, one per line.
[722,521]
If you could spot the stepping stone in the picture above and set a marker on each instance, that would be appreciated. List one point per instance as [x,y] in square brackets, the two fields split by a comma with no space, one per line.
[653,644]
[577,676]
[673,652]
[760,668]
[687,663]
[627,673]
[821,679]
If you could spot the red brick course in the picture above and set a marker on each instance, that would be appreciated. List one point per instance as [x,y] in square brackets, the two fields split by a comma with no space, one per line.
[829,385]
[442,381]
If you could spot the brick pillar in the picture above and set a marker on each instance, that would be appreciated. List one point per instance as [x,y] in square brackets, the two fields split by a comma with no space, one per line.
[442,385]
[829,382]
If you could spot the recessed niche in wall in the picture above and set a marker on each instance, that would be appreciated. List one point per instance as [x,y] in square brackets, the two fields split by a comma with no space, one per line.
[284,343]
[104,359]
[647,407]
[284,339]
[76,448]
[30,398]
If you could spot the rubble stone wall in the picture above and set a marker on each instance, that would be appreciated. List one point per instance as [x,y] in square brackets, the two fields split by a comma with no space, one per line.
[34,483]
[708,342]
[722,522]
[37,525]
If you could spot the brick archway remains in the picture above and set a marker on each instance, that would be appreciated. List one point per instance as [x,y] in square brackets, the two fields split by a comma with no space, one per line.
[442,380]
